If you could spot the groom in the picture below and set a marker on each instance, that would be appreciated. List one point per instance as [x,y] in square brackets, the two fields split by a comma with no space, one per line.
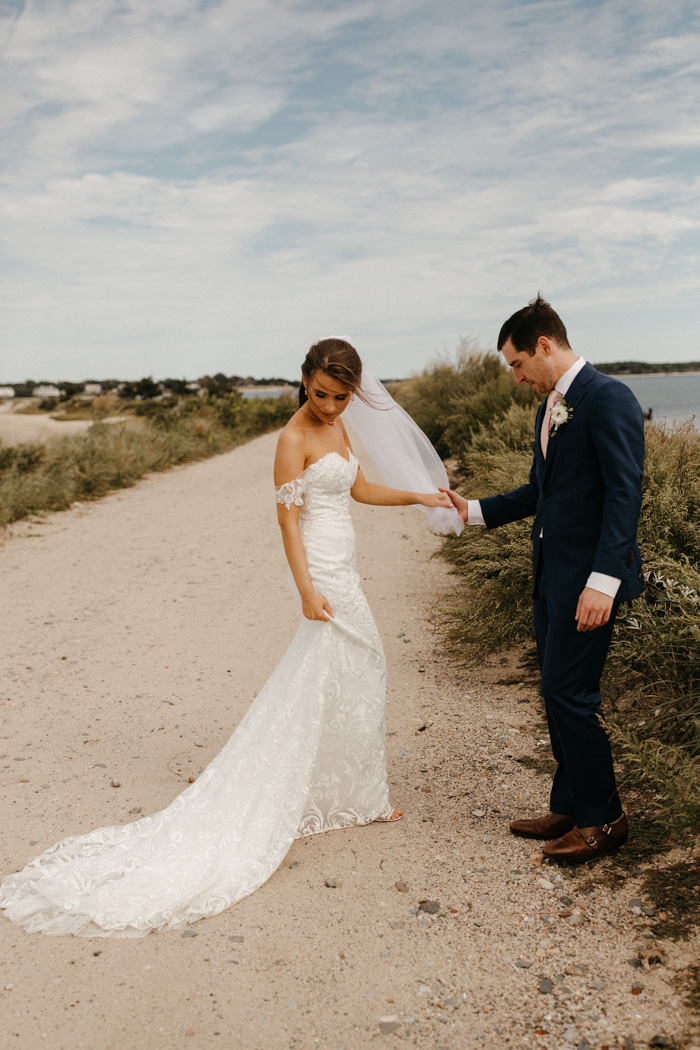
[585,493]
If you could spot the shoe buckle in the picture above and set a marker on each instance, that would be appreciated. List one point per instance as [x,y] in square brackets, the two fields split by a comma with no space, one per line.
[607,830]
[592,842]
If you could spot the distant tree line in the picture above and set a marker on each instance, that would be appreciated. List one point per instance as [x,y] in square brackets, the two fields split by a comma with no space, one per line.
[627,368]
[147,388]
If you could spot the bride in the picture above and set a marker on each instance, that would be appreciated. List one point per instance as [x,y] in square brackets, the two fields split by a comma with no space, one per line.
[309,754]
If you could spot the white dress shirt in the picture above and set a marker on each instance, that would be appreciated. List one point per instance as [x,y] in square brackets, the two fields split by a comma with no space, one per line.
[597,580]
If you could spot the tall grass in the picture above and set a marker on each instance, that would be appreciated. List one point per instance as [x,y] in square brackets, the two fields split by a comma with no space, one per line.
[652,678]
[51,476]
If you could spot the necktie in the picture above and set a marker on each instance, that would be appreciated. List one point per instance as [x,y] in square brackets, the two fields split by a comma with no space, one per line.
[552,398]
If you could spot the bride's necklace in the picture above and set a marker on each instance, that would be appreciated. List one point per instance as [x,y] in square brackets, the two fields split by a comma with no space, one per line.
[321,422]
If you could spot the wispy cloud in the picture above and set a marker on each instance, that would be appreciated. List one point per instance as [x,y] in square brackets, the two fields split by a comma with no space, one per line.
[192,186]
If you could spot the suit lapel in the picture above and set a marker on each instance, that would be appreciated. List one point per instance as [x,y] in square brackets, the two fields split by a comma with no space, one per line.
[539,458]
[574,395]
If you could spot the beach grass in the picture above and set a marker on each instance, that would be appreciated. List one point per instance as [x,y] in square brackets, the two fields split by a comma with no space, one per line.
[39,477]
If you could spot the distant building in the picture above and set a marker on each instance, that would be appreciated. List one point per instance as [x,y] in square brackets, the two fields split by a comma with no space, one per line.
[7,391]
[46,390]
[93,389]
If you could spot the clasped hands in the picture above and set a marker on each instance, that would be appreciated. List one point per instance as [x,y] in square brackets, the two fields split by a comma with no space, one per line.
[594,607]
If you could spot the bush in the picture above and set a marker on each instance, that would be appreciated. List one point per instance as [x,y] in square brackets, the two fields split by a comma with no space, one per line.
[45,477]
[451,401]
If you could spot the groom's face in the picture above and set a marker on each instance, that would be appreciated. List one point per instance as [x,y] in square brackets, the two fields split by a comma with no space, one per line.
[537,370]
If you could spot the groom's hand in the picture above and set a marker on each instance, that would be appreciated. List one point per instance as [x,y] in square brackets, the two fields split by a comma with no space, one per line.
[593,609]
[460,504]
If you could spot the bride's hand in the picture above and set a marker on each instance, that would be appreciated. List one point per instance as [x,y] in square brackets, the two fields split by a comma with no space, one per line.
[434,499]
[315,607]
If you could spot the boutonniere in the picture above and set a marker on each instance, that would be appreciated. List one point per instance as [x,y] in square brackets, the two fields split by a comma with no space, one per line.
[561,413]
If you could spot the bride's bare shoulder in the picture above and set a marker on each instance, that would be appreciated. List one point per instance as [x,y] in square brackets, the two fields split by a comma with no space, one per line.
[293,433]
[291,452]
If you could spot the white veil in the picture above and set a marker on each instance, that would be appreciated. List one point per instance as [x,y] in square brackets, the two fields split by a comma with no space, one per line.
[399,450]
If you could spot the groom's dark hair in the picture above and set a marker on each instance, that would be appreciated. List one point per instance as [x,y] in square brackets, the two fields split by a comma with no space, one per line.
[526,326]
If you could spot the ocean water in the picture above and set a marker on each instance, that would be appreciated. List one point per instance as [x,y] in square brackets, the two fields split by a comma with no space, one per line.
[673,398]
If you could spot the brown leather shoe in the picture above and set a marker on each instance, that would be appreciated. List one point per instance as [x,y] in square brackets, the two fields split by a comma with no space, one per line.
[582,844]
[549,827]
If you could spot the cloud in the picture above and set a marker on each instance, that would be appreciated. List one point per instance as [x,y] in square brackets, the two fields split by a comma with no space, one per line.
[196,186]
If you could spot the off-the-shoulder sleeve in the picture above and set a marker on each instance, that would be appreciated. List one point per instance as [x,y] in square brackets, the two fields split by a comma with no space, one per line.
[291,492]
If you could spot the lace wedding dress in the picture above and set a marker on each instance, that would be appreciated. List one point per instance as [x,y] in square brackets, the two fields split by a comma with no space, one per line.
[308,756]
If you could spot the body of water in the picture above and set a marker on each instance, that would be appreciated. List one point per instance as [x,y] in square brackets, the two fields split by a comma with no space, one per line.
[269,391]
[673,398]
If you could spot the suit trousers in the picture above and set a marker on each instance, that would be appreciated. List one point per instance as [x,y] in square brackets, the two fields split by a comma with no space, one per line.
[571,664]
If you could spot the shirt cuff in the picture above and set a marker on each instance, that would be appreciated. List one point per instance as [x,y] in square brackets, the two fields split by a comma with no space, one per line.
[609,585]
[474,515]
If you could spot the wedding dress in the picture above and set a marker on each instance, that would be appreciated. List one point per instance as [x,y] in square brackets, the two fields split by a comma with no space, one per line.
[308,756]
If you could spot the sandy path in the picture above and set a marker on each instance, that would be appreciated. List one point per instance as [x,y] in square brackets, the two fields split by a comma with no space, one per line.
[137,630]
[16,427]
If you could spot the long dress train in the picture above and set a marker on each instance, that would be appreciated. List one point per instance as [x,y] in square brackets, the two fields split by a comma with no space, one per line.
[308,756]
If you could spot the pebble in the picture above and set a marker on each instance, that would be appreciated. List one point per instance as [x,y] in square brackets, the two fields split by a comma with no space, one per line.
[401,887]
[189,933]
[635,963]
[116,784]
[545,884]
[546,986]
[596,986]
[661,1040]
[387,1027]
[479,812]
[429,907]
[397,925]
[331,883]
[136,809]
[636,905]
[524,964]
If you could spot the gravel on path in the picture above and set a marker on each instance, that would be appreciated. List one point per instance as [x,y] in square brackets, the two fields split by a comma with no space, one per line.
[137,630]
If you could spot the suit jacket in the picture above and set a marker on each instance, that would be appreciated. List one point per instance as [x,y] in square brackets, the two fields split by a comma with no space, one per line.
[587,495]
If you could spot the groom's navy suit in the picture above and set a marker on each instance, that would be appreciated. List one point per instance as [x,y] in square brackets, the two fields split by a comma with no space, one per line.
[586,498]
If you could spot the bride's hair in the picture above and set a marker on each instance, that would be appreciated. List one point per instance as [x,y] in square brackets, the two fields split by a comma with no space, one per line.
[337,359]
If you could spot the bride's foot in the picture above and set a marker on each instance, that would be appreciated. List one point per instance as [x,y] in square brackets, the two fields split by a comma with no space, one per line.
[395,815]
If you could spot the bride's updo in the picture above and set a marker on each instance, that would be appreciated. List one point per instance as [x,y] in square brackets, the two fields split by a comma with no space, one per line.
[337,359]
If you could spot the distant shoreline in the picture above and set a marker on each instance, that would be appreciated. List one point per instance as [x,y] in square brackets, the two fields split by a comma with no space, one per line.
[647,375]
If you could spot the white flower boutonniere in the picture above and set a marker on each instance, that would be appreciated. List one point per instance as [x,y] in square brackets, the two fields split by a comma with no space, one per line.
[561,414]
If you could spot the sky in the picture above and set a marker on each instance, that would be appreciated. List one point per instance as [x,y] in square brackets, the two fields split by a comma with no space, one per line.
[202,186]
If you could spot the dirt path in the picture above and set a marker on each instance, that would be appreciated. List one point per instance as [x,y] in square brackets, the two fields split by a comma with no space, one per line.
[17,427]
[136,631]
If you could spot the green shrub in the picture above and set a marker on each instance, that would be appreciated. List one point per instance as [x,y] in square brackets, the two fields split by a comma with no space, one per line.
[45,477]
[451,401]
